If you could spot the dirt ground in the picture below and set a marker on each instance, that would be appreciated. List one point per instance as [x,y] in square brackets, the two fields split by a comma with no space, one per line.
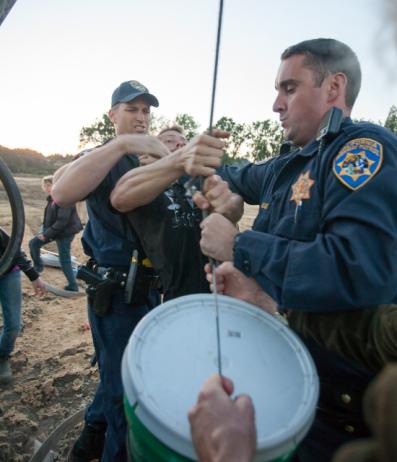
[53,377]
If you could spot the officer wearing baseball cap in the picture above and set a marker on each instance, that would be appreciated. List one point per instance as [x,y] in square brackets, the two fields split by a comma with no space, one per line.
[128,91]
[110,242]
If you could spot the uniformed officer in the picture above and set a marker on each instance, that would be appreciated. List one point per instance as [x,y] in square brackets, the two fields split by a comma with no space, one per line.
[110,242]
[325,238]
[109,239]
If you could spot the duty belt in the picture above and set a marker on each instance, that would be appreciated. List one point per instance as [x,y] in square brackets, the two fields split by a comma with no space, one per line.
[136,282]
[110,273]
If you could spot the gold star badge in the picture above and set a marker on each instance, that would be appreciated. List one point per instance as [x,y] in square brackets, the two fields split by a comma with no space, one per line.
[301,188]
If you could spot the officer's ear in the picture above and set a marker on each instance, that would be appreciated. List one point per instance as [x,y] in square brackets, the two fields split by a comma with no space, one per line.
[112,113]
[337,88]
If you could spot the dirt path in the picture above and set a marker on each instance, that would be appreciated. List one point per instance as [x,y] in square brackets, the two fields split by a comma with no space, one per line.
[51,362]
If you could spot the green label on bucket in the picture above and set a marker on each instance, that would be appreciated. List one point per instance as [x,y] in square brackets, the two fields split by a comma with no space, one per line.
[143,446]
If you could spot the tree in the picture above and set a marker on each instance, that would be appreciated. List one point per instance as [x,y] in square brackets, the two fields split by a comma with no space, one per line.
[189,125]
[186,121]
[157,123]
[265,139]
[239,134]
[256,141]
[99,132]
[102,129]
[391,120]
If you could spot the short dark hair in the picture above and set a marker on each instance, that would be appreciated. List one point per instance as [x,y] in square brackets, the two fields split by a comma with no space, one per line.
[172,128]
[329,56]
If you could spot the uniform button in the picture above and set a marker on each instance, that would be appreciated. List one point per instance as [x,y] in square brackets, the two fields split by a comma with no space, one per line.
[349,428]
[247,266]
[345,398]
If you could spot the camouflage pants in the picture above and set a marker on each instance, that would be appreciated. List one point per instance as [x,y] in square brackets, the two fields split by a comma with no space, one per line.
[365,336]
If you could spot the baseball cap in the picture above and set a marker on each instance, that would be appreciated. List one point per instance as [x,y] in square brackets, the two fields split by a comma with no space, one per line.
[127,91]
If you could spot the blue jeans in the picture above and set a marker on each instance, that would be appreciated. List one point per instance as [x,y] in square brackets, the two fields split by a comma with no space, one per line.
[110,335]
[11,299]
[65,260]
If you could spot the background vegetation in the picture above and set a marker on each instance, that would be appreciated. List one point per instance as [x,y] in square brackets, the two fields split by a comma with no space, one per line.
[254,141]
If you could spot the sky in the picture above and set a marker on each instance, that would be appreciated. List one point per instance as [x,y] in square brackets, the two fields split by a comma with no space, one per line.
[61,60]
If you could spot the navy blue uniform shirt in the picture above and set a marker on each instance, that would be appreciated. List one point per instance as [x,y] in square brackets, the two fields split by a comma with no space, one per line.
[108,237]
[325,238]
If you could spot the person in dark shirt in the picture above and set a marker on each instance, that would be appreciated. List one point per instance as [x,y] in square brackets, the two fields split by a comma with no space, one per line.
[169,225]
[61,225]
[11,300]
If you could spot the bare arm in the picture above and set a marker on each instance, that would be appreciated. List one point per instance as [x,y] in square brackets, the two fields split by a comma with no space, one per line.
[232,282]
[76,180]
[142,185]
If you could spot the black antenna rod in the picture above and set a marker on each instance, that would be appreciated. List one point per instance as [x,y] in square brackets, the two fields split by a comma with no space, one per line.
[215,77]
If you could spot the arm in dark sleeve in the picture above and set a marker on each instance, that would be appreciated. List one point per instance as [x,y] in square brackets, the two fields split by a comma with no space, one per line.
[21,259]
[245,181]
[351,262]
[26,266]
[62,219]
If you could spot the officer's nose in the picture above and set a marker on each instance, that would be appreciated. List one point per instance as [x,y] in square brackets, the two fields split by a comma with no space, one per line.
[279,104]
[140,116]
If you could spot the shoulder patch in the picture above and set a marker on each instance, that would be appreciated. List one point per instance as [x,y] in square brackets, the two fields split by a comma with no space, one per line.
[358,161]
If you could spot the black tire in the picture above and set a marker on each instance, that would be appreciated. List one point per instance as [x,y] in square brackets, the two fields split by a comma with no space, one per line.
[18,218]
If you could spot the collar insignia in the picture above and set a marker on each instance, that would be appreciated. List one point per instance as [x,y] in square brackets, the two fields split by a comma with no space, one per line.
[357,162]
[301,188]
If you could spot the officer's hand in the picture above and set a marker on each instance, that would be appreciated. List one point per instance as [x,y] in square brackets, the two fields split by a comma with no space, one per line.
[217,237]
[232,282]
[143,145]
[203,154]
[217,197]
[39,287]
[223,429]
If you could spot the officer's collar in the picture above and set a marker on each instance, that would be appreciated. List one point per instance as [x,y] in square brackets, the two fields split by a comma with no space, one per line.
[312,147]
[309,150]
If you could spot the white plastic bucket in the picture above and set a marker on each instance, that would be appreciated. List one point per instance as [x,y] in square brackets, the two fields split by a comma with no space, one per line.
[173,350]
